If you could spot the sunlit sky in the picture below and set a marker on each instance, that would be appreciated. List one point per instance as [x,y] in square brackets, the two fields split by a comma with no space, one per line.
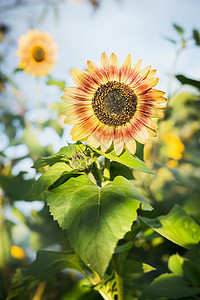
[123,27]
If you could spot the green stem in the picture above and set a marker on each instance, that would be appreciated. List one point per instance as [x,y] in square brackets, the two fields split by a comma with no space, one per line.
[106,173]
[118,278]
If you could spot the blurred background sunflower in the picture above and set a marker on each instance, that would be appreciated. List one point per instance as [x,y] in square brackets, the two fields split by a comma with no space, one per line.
[37,52]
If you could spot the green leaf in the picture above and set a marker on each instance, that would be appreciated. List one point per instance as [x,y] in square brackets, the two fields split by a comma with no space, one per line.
[175,264]
[170,39]
[62,156]
[130,191]
[132,266]
[119,169]
[177,227]
[181,266]
[139,151]
[170,286]
[60,84]
[5,236]
[47,264]
[48,178]
[49,160]
[196,36]
[45,231]
[125,247]
[179,29]
[95,218]
[185,80]
[15,187]
[127,159]
[2,154]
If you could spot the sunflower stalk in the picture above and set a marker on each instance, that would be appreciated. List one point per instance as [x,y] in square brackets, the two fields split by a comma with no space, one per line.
[118,276]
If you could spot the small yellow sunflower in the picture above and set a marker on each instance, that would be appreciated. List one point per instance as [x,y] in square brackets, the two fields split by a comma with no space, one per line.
[113,104]
[37,52]
[174,145]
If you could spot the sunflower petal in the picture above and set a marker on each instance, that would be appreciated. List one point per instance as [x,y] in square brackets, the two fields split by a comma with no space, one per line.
[146,121]
[127,62]
[137,67]
[107,138]
[134,72]
[118,140]
[93,141]
[73,118]
[76,93]
[113,71]
[138,131]
[151,74]
[151,133]
[145,85]
[83,80]
[104,60]
[129,140]
[82,130]
[97,73]
[142,74]
[125,70]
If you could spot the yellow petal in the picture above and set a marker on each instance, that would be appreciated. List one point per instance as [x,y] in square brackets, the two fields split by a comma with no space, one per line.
[113,61]
[104,60]
[82,131]
[144,72]
[127,62]
[134,73]
[107,138]
[151,74]
[136,68]
[77,93]
[118,140]
[145,85]
[93,141]
[151,133]
[129,140]
[74,118]
[83,80]
[138,131]
[146,121]
[97,73]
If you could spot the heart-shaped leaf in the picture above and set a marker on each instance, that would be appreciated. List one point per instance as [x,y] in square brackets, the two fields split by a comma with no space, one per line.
[95,218]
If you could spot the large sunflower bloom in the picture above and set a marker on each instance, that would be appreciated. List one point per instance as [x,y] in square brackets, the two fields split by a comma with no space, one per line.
[113,104]
[37,52]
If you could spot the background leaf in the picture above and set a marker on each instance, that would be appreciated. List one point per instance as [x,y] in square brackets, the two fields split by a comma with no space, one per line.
[185,80]
[170,286]
[179,29]
[47,264]
[176,226]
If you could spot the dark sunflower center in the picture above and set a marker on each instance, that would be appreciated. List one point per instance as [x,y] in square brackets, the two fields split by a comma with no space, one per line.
[38,54]
[114,103]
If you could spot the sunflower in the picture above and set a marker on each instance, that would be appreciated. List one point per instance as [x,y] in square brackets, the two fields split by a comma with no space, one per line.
[37,52]
[113,104]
